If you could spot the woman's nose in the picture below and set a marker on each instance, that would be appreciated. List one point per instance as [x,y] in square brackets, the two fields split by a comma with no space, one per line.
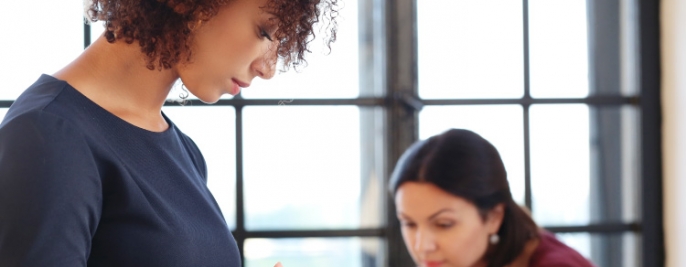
[265,66]
[424,242]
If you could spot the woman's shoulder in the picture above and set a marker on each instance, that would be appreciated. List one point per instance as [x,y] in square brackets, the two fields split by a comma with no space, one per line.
[35,99]
[37,132]
[50,102]
[38,119]
[551,252]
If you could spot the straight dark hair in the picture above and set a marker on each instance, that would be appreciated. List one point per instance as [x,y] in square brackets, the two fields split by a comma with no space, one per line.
[466,165]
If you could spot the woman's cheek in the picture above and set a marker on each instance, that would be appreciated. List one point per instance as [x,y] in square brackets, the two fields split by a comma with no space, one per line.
[409,239]
[464,248]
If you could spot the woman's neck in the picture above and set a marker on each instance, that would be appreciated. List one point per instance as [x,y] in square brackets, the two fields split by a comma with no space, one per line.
[115,77]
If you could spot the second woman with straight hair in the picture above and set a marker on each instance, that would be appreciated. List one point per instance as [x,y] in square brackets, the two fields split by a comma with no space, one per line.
[454,202]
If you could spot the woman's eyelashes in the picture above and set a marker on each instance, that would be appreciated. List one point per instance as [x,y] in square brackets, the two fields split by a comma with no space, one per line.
[407,224]
[438,224]
[265,34]
[444,224]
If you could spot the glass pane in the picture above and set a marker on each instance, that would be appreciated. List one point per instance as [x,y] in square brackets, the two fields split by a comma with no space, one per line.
[315,252]
[581,48]
[302,169]
[476,53]
[213,130]
[334,75]
[3,111]
[558,48]
[560,158]
[629,46]
[97,28]
[502,125]
[606,250]
[581,156]
[615,164]
[34,46]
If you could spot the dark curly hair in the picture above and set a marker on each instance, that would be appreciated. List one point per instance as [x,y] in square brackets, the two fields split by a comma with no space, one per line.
[164,28]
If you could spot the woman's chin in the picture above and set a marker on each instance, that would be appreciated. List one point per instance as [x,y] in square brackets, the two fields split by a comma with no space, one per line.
[212,95]
[208,98]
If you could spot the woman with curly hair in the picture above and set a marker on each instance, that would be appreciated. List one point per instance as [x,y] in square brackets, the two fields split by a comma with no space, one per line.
[454,203]
[92,173]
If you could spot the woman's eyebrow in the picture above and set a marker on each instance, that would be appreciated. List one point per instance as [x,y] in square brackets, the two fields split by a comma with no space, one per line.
[402,215]
[439,212]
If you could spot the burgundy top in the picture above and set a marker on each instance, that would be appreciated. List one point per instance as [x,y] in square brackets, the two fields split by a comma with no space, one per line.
[553,253]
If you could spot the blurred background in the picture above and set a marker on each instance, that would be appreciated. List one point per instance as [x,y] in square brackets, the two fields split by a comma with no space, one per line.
[567,90]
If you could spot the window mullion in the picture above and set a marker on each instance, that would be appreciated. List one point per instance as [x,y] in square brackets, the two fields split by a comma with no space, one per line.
[86,34]
[240,232]
[651,142]
[401,121]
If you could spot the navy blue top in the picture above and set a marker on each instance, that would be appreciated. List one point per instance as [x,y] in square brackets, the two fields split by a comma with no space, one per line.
[81,187]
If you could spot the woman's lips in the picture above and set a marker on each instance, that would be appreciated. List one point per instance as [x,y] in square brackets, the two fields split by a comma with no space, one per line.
[241,84]
[433,263]
[235,89]
[237,85]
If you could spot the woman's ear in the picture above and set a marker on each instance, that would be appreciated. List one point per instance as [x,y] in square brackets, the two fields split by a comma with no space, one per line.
[495,218]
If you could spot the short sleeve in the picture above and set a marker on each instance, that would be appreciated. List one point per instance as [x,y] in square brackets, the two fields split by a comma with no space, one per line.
[50,192]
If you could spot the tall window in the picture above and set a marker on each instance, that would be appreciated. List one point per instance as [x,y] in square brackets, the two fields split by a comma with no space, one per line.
[567,90]
[555,86]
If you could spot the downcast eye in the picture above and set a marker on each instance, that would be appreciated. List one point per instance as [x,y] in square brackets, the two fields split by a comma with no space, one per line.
[265,34]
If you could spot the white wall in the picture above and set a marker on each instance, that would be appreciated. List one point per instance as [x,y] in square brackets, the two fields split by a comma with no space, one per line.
[674,128]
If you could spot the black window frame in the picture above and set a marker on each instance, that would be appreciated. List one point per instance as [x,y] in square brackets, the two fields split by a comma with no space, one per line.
[401,105]
[402,120]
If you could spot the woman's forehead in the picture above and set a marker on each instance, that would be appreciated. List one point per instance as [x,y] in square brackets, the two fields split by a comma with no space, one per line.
[422,196]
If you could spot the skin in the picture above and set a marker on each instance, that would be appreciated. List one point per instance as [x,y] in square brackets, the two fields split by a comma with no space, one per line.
[443,230]
[230,49]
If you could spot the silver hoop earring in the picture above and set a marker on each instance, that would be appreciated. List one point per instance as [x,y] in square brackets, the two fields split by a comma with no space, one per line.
[493,239]
[183,95]
[184,92]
